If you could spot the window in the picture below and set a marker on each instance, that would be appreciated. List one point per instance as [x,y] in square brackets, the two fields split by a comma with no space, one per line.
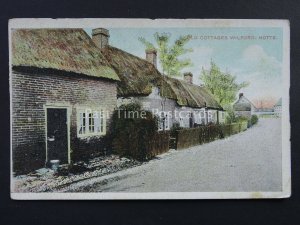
[181,122]
[164,121]
[82,123]
[222,115]
[91,122]
[210,116]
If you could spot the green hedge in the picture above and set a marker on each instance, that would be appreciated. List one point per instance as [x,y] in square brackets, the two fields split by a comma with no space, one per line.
[137,137]
[250,120]
[254,119]
[194,136]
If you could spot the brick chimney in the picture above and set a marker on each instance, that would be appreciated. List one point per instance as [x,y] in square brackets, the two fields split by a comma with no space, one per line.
[100,37]
[241,95]
[188,77]
[151,56]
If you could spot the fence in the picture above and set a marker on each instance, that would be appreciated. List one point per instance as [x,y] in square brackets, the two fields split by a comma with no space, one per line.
[140,145]
[158,144]
[196,136]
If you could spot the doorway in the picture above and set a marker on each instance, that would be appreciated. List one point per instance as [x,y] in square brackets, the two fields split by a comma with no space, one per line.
[57,146]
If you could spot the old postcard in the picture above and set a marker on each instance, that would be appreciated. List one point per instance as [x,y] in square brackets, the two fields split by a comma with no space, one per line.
[149,109]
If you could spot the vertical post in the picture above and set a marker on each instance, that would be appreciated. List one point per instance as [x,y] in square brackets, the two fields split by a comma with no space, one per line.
[206,116]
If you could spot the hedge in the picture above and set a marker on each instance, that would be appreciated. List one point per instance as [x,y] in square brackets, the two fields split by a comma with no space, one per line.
[194,136]
[137,137]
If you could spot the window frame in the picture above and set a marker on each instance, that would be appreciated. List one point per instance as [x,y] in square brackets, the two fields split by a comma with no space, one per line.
[163,122]
[91,126]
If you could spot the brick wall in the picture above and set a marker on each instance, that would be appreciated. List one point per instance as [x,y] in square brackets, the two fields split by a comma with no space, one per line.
[31,92]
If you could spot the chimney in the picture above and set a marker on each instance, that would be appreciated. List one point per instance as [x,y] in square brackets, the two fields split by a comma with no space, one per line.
[188,77]
[241,95]
[151,56]
[100,37]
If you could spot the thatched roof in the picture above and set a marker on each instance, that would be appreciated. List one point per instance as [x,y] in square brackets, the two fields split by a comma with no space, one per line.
[192,95]
[242,104]
[137,75]
[70,50]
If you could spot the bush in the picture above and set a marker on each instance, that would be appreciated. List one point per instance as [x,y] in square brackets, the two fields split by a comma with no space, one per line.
[91,147]
[254,119]
[230,115]
[174,128]
[249,123]
[131,133]
[242,119]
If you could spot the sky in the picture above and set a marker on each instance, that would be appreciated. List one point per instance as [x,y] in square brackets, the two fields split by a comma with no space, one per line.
[241,51]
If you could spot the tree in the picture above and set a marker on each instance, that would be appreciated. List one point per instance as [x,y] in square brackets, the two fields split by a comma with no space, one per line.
[169,56]
[222,85]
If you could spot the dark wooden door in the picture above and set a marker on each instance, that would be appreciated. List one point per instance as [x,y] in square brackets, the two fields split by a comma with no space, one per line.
[57,134]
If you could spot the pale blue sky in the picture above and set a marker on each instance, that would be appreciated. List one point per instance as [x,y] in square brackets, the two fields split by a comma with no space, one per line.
[257,61]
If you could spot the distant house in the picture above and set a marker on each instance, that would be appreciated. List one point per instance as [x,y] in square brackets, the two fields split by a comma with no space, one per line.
[243,106]
[278,108]
[142,82]
[59,82]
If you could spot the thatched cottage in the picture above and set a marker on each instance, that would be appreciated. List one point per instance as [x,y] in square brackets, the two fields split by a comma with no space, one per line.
[140,81]
[244,107]
[195,104]
[59,82]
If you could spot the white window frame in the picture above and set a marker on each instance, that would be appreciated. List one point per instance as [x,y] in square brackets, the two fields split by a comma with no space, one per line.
[210,118]
[164,120]
[181,122]
[91,128]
